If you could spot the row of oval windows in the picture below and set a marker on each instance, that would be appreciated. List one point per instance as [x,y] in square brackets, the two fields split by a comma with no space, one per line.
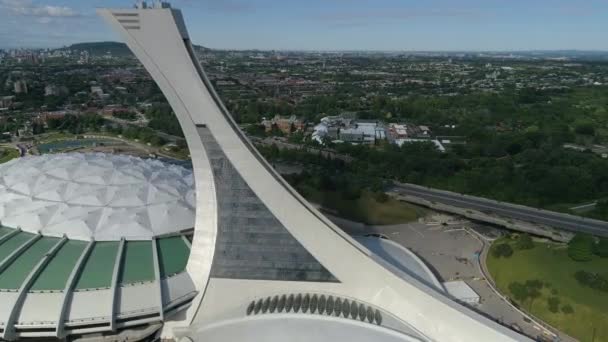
[321,305]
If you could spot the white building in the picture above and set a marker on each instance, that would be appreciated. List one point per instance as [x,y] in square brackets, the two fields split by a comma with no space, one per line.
[20,87]
[461,292]
[437,143]
[97,91]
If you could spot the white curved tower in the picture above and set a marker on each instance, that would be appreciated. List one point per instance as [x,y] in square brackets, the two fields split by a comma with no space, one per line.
[261,254]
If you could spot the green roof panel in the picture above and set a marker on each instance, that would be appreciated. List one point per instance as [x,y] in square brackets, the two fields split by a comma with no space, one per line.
[97,270]
[10,245]
[173,255]
[138,265]
[14,275]
[4,231]
[56,273]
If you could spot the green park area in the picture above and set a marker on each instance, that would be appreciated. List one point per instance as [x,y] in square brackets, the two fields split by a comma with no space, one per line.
[545,280]
[7,154]
[368,208]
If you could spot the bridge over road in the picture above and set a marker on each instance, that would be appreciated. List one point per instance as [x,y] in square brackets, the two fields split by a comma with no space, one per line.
[562,221]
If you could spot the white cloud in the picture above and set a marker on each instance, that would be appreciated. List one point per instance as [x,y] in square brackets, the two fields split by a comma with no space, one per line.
[27,8]
[44,20]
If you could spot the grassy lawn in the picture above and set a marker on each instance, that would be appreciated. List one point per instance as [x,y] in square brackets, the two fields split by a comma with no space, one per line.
[55,136]
[550,263]
[365,209]
[8,154]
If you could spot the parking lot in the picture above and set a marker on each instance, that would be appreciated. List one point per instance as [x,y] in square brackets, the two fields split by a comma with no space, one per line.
[451,251]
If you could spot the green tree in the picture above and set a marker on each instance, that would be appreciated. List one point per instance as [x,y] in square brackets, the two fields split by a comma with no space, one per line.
[381,197]
[580,248]
[593,280]
[567,309]
[519,291]
[553,303]
[157,141]
[533,287]
[163,119]
[256,130]
[524,242]
[502,250]
[585,128]
[601,248]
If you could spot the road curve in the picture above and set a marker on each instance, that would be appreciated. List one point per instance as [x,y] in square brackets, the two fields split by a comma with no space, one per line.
[553,219]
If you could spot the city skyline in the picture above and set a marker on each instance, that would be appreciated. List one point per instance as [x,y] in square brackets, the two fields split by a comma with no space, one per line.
[387,25]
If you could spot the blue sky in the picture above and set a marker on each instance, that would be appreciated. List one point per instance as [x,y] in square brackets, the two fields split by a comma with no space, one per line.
[332,24]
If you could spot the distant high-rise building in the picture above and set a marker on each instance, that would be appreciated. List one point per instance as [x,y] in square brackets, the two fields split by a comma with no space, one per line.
[54,90]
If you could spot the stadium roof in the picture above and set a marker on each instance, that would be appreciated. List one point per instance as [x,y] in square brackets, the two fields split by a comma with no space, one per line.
[402,259]
[96,196]
[60,284]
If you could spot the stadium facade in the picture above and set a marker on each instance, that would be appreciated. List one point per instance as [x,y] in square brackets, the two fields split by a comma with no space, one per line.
[93,243]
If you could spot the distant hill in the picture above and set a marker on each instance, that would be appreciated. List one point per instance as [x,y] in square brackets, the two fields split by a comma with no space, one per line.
[102,48]
[115,48]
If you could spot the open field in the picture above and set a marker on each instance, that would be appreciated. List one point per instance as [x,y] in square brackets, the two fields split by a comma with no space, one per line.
[550,264]
[366,209]
[59,142]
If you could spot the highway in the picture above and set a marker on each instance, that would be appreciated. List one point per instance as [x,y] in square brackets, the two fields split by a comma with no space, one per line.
[557,220]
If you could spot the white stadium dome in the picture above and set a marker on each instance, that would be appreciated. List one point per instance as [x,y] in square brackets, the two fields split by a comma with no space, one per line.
[96,196]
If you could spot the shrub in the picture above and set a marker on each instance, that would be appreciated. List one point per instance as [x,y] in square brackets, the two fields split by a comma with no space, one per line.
[524,242]
[519,291]
[351,193]
[581,247]
[502,250]
[553,303]
[528,290]
[381,197]
[592,280]
[584,128]
[567,309]
[601,248]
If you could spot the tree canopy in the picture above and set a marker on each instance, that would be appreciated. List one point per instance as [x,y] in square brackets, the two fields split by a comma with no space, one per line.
[502,250]
[581,247]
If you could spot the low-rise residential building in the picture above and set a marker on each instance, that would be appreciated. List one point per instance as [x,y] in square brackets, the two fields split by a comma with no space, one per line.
[287,125]
[46,116]
[53,90]
[6,101]
[20,87]
[97,91]
[398,131]
[425,131]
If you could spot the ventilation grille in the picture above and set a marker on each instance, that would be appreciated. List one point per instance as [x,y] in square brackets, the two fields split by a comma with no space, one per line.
[129,21]
[315,304]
